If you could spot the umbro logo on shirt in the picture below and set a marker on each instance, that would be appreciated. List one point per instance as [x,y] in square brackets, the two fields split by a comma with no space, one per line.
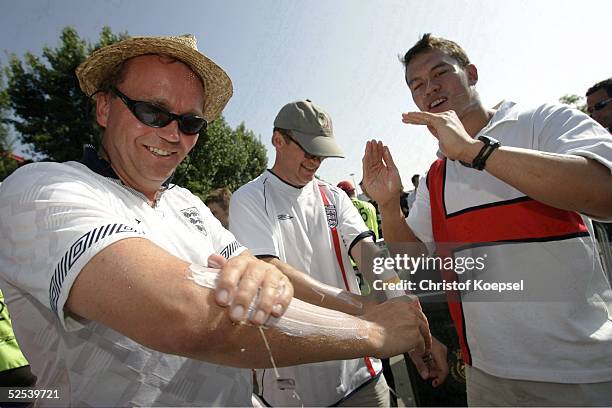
[284,217]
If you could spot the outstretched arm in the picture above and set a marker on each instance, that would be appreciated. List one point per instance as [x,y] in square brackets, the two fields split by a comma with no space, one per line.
[134,287]
[563,181]
[317,293]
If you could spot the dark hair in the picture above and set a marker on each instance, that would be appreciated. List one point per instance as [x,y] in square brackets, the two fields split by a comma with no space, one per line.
[287,136]
[114,78]
[428,42]
[286,133]
[219,196]
[415,176]
[605,84]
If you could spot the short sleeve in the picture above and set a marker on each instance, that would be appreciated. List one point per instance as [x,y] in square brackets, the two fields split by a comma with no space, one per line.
[52,222]
[250,223]
[351,226]
[563,130]
[419,217]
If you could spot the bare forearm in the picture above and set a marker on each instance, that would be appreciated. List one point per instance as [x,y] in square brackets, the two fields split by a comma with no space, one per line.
[395,229]
[135,287]
[305,334]
[399,238]
[317,293]
[568,182]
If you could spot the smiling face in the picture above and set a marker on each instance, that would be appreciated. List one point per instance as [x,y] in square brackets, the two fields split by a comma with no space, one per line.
[292,163]
[439,83]
[142,156]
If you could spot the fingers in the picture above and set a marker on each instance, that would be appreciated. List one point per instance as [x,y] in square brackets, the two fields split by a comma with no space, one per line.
[432,365]
[419,363]
[227,282]
[425,339]
[216,261]
[244,279]
[440,367]
[389,159]
[367,157]
[274,296]
[433,131]
[372,155]
[424,329]
[420,118]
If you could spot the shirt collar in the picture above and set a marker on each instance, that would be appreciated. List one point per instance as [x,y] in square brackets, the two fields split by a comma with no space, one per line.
[100,166]
[505,112]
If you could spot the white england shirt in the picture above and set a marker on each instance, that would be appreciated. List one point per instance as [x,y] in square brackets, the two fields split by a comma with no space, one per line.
[559,327]
[53,219]
[274,218]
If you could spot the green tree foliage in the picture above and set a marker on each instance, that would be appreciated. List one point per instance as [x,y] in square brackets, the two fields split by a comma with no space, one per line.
[53,118]
[7,164]
[223,157]
[574,101]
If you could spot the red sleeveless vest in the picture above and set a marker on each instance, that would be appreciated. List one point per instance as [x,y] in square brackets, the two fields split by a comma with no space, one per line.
[518,220]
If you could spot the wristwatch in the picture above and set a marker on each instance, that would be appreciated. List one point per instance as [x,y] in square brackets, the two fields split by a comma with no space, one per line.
[479,161]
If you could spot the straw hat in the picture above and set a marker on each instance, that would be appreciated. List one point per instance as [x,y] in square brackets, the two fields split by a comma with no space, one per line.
[217,85]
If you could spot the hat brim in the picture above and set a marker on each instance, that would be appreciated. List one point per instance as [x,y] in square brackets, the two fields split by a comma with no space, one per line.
[218,87]
[322,146]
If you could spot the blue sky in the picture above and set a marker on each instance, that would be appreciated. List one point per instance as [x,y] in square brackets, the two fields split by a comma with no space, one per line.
[344,55]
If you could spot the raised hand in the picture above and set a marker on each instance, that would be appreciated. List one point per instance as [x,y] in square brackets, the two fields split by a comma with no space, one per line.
[381,178]
[453,140]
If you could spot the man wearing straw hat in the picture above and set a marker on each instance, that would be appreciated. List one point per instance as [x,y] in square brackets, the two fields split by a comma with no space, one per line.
[103,260]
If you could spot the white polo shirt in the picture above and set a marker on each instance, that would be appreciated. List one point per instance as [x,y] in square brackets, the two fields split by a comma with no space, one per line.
[53,219]
[559,327]
[274,218]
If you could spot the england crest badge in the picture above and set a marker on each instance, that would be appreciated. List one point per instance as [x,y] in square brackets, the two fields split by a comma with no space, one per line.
[332,215]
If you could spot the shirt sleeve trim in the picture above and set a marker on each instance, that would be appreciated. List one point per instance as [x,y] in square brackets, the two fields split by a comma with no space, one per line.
[360,237]
[231,249]
[76,250]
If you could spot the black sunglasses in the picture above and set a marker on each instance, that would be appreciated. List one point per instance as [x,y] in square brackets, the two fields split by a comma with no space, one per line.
[158,117]
[599,105]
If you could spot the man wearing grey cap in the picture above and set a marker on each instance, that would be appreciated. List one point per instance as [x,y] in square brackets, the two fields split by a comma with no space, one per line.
[291,220]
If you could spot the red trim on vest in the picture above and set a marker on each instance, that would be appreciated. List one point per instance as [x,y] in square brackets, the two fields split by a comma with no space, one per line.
[515,220]
[336,239]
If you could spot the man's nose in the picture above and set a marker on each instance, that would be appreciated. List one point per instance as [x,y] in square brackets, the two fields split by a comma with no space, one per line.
[170,132]
[431,86]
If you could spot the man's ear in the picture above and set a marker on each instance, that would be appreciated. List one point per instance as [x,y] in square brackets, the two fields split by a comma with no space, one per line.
[472,74]
[102,108]
[277,139]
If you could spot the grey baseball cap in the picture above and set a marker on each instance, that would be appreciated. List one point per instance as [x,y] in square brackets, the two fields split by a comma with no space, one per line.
[310,126]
